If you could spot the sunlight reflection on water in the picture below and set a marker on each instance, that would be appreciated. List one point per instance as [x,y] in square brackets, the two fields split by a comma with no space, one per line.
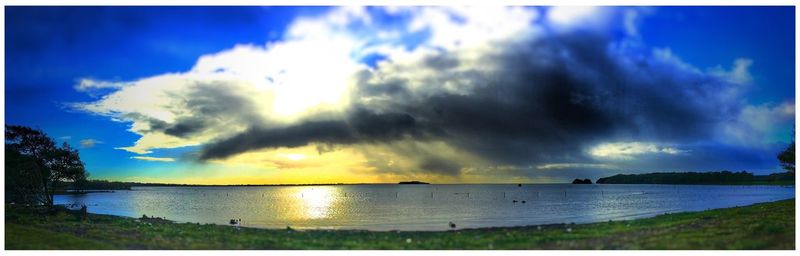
[418,207]
[317,201]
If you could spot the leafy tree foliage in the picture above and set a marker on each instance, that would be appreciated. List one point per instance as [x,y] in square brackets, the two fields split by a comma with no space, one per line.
[787,158]
[34,165]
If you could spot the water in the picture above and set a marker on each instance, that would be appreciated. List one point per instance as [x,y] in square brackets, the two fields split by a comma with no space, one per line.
[419,207]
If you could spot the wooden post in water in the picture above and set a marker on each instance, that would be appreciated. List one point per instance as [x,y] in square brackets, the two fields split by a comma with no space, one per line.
[504,194]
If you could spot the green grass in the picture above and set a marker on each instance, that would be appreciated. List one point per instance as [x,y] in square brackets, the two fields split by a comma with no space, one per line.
[759,226]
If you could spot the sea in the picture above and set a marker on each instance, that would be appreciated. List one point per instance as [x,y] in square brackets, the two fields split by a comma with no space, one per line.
[417,207]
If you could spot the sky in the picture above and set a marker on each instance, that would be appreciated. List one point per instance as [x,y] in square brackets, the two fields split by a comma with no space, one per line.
[289,95]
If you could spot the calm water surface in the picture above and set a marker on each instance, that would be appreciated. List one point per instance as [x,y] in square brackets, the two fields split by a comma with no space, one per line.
[419,207]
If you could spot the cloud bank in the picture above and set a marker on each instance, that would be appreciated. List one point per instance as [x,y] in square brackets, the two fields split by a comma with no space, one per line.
[451,91]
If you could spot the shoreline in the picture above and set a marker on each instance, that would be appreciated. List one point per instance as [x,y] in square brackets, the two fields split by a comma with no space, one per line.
[438,184]
[61,193]
[767,225]
[335,229]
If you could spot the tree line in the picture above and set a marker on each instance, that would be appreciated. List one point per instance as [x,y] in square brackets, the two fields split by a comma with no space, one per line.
[706,178]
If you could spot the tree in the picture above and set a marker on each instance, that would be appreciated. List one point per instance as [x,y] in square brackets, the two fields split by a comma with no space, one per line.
[81,182]
[21,180]
[35,164]
[787,158]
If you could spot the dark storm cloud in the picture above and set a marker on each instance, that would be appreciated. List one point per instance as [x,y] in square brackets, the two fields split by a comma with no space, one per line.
[441,62]
[204,106]
[547,100]
[154,124]
[440,166]
[333,132]
[185,127]
[361,125]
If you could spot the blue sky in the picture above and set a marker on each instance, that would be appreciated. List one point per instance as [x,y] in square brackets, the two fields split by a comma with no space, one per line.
[50,50]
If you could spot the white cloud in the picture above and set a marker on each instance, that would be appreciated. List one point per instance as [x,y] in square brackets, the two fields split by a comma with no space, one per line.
[311,71]
[732,84]
[475,26]
[566,18]
[164,99]
[283,81]
[315,67]
[631,17]
[154,159]
[629,150]
[88,84]
[665,55]
[739,73]
[89,143]
[94,88]
[758,125]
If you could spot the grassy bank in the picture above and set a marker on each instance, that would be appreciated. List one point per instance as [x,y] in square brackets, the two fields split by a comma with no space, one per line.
[759,226]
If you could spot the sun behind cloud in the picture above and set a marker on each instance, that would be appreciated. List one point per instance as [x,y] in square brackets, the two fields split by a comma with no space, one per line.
[453,94]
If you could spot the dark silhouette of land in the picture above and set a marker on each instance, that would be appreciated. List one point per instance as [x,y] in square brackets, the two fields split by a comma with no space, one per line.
[412,182]
[582,181]
[701,178]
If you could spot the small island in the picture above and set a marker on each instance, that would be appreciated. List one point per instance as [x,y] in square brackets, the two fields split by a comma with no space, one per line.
[582,181]
[412,182]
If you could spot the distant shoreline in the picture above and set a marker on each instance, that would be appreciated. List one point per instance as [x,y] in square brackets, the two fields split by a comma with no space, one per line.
[466,184]
[448,184]
[83,192]
[701,178]
[670,179]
